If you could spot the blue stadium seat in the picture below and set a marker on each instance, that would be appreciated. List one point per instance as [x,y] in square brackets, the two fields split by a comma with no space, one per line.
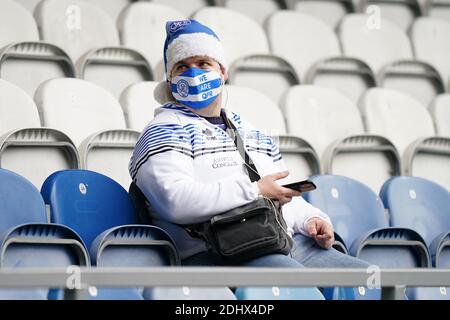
[359,218]
[278,293]
[421,205]
[27,240]
[88,202]
[103,214]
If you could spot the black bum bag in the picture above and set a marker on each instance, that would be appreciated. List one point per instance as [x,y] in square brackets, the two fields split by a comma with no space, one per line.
[245,232]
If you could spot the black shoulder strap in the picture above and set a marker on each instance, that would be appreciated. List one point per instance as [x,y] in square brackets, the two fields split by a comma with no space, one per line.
[234,134]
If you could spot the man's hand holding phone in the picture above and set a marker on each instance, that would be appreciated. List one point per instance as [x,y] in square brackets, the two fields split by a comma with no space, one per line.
[272,190]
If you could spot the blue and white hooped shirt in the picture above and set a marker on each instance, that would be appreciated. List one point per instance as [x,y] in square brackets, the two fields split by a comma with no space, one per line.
[190,170]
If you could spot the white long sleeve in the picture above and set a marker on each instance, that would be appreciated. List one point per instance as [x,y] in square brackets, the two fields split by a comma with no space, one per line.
[168,181]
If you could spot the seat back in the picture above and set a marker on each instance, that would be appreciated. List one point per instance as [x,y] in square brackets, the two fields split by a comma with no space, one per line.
[112,8]
[28,4]
[396,116]
[142,26]
[320,115]
[17,109]
[78,108]
[438,9]
[402,13]
[431,41]
[14,210]
[330,12]
[256,108]
[290,37]
[440,111]
[138,104]
[376,46]
[418,204]
[241,38]
[76,26]
[353,207]
[14,16]
[87,202]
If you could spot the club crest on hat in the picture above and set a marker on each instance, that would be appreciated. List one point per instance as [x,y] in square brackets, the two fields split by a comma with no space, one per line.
[177,25]
[183,88]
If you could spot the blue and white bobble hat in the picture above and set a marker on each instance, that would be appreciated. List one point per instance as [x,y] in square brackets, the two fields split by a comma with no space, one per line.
[189,38]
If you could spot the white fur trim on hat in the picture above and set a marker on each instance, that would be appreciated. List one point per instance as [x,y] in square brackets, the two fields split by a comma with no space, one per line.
[194,44]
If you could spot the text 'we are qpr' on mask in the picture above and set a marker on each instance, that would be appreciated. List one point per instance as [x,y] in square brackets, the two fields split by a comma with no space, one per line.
[196,88]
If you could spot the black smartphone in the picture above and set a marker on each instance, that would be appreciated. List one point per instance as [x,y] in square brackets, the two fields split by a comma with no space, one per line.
[302,186]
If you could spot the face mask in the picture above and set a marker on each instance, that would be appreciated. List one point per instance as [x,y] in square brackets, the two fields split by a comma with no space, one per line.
[196,88]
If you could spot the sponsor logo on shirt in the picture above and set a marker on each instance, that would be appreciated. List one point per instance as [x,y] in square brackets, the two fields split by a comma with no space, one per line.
[224,162]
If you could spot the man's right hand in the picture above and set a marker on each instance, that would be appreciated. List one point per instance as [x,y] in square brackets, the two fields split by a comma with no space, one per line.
[272,190]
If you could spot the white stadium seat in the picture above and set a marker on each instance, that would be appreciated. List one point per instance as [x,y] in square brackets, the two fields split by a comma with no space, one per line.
[76,26]
[387,50]
[17,108]
[78,107]
[112,7]
[29,4]
[24,60]
[259,10]
[256,108]
[24,142]
[14,16]
[139,104]
[440,110]
[240,35]
[431,41]
[142,26]
[400,12]
[93,118]
[408,124]
[316,55]
[247,53]
[291,37]
[266,116]
[438,9]
[332,124]
[90,37]
[329,11]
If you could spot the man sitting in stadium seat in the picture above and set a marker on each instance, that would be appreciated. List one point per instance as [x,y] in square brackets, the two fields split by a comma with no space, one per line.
[187,166]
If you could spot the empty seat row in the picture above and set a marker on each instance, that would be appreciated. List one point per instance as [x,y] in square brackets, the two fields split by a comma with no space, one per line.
[71,124]
[388,134]
[88,228]
[300,57]
[402,12]
[106,233]
[397,135]
[79,39]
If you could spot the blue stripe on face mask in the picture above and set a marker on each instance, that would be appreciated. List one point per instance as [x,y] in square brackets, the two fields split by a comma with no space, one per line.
[193,89]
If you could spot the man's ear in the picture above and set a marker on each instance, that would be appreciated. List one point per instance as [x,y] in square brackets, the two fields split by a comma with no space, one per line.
[224,74]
